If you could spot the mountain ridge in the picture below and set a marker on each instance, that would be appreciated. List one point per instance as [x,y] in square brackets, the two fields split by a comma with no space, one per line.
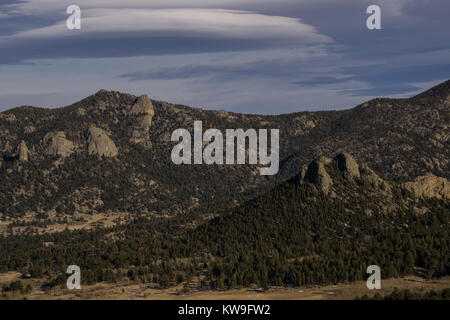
[401,138]
[438,91]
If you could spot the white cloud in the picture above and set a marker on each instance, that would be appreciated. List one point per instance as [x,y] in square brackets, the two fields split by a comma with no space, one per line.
[39,7]
[211,22]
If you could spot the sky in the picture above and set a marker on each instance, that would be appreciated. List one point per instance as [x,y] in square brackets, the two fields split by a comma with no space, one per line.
[252,56]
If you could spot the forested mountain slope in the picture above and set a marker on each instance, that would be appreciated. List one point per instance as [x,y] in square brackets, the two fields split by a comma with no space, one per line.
[325,225]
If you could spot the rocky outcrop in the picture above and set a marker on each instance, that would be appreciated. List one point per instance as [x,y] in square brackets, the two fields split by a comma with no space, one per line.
[23,151]
[347,164]
[143,105]
[56,144]
[100,143]
[8,117]
[143,109]
[144,112]
[318,175]
[429,186]
[320,171]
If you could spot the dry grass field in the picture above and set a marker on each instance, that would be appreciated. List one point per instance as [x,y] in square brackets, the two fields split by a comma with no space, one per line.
[105,291]
[78,221]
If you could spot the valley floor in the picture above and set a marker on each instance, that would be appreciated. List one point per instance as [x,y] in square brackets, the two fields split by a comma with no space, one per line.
[106,291]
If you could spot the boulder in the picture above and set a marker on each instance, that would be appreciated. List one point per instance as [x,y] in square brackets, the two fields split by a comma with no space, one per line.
[100,143]
[57,145]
